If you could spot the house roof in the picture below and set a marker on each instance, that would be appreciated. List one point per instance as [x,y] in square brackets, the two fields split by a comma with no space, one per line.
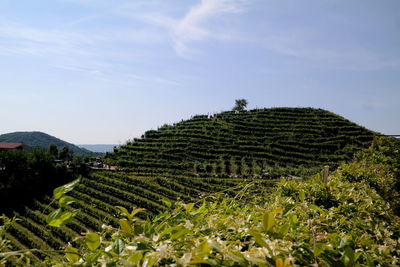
[4,145]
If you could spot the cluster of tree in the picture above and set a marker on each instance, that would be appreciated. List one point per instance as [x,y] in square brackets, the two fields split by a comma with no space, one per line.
[25,175]
[240,105]
[63,154]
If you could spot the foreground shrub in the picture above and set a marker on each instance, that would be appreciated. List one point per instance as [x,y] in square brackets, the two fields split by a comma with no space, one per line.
[379,166]
[302,223]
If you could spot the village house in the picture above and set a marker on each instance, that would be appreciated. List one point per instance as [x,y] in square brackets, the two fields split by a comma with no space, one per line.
[12,146]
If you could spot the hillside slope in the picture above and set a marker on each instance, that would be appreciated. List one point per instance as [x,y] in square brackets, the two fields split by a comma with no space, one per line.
[246,142]
[39,139]
[340,222]
[192,159]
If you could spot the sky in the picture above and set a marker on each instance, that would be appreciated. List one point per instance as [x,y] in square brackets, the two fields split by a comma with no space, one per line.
[104,72]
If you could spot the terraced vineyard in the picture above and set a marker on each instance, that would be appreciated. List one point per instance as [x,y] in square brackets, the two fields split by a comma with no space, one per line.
[190,159]
[291,138]
[99,194]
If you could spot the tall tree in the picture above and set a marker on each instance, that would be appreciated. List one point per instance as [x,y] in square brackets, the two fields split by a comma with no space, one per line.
[53,150]
[64,153]
[240,105]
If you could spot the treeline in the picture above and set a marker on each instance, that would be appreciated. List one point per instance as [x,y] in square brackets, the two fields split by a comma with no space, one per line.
[25,175]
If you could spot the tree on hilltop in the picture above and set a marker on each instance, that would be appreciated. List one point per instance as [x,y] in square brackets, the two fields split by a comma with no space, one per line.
[240,105]
[53,150]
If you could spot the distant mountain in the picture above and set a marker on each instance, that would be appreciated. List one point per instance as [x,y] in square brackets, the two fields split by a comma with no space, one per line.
[39,139]
[101,148]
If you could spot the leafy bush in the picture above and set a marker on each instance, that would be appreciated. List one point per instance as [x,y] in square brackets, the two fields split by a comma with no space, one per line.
[379,166]
[302,223]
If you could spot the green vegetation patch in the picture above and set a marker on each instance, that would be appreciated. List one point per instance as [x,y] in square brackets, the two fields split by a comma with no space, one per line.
[302,223]
[282,141]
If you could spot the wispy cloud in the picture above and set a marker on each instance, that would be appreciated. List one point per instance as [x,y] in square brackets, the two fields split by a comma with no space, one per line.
[79,50]
[22,39]
[193,26]
[312,48]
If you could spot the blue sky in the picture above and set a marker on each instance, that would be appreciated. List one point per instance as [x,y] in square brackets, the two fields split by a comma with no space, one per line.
[99,71]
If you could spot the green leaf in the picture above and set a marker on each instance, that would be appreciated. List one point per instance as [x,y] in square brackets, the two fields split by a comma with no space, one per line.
[92,241]
[284,229]
[197,261]
[53,215]
[72,254]
[293,219]
[202,208]
[60,191]
[66,201]
[167,231]
[166,203]
[189,207]
[319,248]
[345,242]
[302,195]
[58,218]
[203,249]
[268,221]
[143,244]
[92,258]
[151,259]
[316,208]
[135,257]
[136,211]
[125,226]
[369,259]
[180,233]
[348,257]
[236,256]
[118,246]
[123,211]
[258,239]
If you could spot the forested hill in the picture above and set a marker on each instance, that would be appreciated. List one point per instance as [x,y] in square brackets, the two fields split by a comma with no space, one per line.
[39,139]
[293,139]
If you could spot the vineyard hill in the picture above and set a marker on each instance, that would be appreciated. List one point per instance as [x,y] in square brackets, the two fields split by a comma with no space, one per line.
[288,138]
[190,159]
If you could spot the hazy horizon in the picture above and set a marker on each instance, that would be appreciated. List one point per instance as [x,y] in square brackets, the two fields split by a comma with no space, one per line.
[103,72]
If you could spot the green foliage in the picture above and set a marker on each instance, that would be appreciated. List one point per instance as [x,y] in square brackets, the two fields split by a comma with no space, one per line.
[240,105]
[60,216]
[291,141]
[379,166]
[301,223]
[27,174]
[43,140]
[53,150]
[65,154]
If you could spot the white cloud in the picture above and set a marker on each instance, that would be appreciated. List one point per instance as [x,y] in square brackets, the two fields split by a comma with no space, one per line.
[192,26]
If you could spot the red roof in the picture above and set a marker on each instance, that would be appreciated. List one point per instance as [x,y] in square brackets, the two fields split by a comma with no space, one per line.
[4,145]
